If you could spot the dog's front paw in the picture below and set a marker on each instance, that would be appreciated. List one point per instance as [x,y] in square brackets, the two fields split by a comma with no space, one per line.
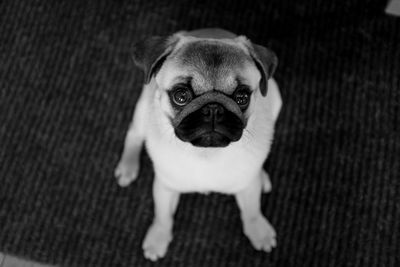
[126,173]
[261,233]
[156,242]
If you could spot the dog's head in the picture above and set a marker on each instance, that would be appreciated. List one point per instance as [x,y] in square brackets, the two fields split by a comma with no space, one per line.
[206,86]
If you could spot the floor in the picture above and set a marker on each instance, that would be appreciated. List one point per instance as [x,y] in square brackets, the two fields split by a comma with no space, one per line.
[11,261]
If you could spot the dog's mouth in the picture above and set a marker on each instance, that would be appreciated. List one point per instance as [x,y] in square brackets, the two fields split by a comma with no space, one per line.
[210,126]
[211,139]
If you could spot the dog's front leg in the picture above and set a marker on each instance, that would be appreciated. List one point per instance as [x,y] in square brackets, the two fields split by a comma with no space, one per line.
[128,167]
[159,235]
[255,226]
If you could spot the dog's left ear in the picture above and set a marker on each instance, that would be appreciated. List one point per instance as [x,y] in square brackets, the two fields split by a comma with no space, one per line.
[265,60]
[150,53]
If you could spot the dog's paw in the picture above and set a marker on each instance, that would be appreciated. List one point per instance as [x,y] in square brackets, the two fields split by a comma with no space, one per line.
[260,233]
[126,173]
[156,242]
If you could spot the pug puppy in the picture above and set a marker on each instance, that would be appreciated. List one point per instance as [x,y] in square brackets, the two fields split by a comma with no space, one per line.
[206,115]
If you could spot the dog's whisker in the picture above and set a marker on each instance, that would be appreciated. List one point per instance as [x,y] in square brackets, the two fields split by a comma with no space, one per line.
[247,136]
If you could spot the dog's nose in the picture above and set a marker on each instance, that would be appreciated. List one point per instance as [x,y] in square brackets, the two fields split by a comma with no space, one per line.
[213,111]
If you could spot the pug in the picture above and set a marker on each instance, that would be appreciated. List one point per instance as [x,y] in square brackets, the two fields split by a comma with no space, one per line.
[206,115]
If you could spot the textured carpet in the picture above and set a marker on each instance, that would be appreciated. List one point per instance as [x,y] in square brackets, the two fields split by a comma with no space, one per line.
[67,92]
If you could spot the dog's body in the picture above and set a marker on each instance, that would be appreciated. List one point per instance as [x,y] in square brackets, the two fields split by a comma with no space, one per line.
[208,143]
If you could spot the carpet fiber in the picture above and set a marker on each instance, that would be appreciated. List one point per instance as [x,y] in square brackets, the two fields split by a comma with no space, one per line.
[68,88]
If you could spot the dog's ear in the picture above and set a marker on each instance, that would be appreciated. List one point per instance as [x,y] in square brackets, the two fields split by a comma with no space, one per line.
[265,60]
[150,53]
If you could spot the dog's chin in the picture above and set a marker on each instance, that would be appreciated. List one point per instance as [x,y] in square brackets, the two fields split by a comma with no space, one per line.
[211,139]
[208,137]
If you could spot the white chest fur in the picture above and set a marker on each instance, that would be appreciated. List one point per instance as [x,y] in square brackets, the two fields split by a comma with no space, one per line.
[184,169]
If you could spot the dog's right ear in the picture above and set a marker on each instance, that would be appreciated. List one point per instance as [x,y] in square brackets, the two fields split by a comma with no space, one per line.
[150,53]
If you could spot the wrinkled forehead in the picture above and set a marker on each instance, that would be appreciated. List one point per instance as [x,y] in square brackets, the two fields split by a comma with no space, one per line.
[211,65]
[209,54]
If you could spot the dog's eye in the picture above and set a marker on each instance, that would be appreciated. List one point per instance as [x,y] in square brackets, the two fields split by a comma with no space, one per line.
[242,97]
[181,96]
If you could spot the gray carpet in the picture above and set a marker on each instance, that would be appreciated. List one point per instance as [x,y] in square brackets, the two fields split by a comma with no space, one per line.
[67,91]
